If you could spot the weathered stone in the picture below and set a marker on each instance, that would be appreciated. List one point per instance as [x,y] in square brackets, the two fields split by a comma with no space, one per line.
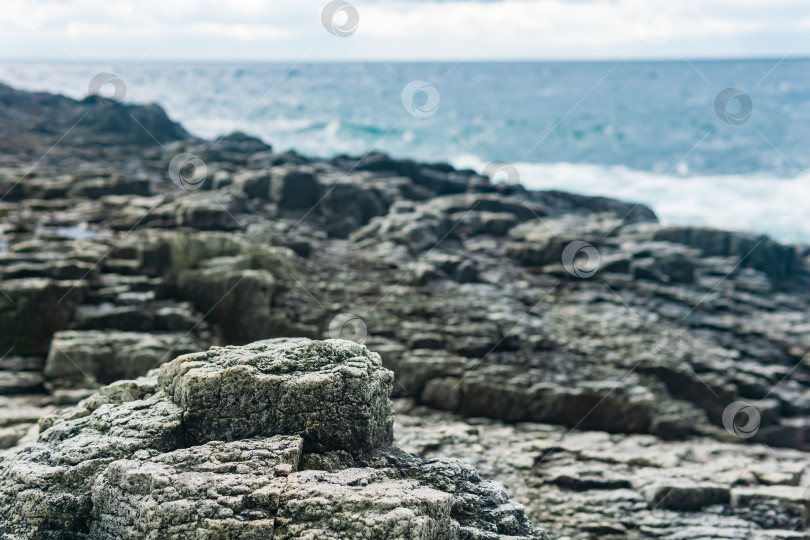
[170,252]
[89,357]
[346,206]
[204,211]
[488,207]
[45,487]
[23,382]
[210,491]
[772,507]
[174,454]
[253,184]
[240,301]
[92,121]
[760,252]
[688,497]
[588,484]
[628,212]
[237,147]
[33,309]
[677,325]
[294,188]
[494,223]
[667,269]
[334,393]
[362,503]
[419,230]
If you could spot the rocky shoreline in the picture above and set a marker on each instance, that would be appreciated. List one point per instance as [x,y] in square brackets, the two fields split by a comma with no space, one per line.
[279,439]
[622,378]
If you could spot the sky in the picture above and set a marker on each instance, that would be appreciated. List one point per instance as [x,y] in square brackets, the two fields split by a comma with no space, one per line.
[298,30]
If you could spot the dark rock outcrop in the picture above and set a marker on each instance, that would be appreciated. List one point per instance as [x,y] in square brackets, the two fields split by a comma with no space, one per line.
[33,120]
[584,354]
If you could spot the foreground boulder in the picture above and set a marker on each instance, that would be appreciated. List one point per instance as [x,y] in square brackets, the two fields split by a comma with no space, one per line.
[285,438]
[333,393]
[231,487]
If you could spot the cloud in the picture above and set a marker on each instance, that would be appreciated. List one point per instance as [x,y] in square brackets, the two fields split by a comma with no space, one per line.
[400,29]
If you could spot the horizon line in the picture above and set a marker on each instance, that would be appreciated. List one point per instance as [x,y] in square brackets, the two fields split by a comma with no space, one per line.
[583,60]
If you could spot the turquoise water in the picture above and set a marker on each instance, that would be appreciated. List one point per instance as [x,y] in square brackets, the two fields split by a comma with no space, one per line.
[648,131]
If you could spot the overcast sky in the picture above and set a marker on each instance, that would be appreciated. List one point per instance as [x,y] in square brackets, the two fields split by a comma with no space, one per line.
[403,30]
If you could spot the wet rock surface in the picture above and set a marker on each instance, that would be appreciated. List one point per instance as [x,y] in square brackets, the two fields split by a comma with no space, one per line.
[556,311]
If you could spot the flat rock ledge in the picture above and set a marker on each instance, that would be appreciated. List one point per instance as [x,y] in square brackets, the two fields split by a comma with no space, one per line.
[284,438]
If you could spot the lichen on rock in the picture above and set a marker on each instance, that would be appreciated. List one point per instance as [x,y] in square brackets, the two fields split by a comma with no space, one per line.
[284,438]
[334,393]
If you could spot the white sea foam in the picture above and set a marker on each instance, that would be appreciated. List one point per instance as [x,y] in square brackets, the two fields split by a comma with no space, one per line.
[214,100]
[758,203]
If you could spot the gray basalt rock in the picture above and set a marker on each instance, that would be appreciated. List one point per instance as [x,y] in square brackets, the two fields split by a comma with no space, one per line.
[33,309]
[586,485]
[211,491]
[237,300]
[417,229]
[45,487]
[44,118]
[237,146]
[254,184]
[285,438]
[255,488]
[104,357]
[293,188]
[232,281]
[471,204]
[347,204]
[466,295]
[334,393]
[320,504]
[166,253]
[778,261]
[628,212]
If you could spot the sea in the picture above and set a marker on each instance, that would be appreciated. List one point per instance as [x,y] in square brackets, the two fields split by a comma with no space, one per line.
[722,143]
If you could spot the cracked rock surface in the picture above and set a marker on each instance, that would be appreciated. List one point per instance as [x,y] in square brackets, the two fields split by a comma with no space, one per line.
[588,485]
[333,393]
[596,388]
[285,438]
